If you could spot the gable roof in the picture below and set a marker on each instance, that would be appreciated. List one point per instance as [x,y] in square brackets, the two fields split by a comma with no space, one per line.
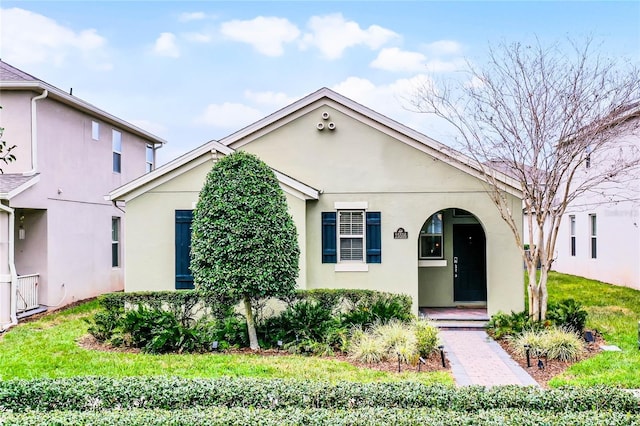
[12,184]
[192,159]
[343,104]
[12,78]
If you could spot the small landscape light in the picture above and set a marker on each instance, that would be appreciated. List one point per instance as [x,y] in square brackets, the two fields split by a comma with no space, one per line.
[279,344]
[421,361]
[527,348]
[441,348]
[540,364]
[398,353]
[588,337]
[214,346]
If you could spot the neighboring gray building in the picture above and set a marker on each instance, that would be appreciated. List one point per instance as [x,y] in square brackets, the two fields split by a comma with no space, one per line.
[60,241]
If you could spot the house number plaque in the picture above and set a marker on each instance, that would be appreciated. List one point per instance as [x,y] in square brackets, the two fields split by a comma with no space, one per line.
[400,234]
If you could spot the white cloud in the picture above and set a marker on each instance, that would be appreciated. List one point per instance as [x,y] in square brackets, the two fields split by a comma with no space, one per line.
[271,99]
[31,38]
[165,45]
[332,34]
[197,37]
[191,16]
[266,34]
[229,115]
[394,59]
[444,47]
[438,65]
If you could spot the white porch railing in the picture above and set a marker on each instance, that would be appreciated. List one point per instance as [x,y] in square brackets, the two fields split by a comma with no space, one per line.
[27,292]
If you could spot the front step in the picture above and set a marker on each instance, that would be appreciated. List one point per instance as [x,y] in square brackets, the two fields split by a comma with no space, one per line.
[460,324]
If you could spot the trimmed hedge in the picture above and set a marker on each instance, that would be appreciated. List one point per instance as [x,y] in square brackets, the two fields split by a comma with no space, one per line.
[186,302]
[293,416]
[169,393]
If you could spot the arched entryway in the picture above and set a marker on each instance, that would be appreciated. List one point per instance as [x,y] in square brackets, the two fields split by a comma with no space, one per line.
[452,260]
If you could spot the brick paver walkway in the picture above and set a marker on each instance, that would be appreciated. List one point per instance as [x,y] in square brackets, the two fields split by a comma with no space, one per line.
[476,359]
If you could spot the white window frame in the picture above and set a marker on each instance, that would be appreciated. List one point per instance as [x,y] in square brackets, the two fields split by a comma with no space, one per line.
[572,235]
[362,237]
[95,130]
[431,234]
[593,236]
[116,233]
[149,164]
[116,148]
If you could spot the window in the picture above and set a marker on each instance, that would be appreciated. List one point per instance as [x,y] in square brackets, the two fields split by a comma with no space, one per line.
[115,242]
[431,238]
[592,223]
[351,235]
[117,151]
[572,224]
[149,157]
[95,130]
[357,238]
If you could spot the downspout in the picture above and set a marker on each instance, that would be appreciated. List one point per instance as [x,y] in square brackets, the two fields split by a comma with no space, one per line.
[34,134]
[13,300]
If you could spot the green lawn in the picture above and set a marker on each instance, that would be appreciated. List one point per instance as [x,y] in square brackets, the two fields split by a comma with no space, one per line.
[48,348]
[613,311]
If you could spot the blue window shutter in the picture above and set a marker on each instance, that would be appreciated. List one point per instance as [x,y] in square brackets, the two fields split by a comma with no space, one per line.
[374,237]
[184,279]
[329,251]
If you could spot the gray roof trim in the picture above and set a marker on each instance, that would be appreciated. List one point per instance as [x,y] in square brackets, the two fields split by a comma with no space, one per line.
[79,104]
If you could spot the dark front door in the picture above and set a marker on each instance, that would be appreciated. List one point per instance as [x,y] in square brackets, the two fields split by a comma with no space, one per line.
[469,264]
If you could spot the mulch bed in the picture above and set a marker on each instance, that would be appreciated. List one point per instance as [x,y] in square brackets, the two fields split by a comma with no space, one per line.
[551,367]
[432,363]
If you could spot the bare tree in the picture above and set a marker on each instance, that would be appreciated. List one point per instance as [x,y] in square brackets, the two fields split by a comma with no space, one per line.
[539,114]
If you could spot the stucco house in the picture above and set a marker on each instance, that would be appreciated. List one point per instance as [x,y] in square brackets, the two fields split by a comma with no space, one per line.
[377,205]
[60,240]
[599,236]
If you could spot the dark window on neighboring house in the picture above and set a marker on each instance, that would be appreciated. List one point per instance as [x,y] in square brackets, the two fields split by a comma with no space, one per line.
[572,225]
[115,242]
[117,151]
[594,238]
[356,238]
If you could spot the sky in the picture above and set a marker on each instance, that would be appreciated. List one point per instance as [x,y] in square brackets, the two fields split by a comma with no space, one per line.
[190,72]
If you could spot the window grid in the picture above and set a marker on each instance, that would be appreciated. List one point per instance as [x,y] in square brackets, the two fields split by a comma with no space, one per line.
[115,242]
[572,223]
[351,235]
[594,237]
[431,238]
[117,151]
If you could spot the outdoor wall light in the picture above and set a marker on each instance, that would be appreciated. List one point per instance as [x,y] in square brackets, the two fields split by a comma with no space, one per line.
[527,349]
[441,348]
[21,231]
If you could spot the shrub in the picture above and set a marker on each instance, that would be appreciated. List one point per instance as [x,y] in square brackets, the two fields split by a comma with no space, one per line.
[568,314]
[426,337]
[501,324]
[366,348]
[170,393]
[554,343]
[381,310]
[563,344]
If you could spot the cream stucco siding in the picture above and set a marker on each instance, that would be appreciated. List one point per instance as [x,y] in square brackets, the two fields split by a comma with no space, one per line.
[150,236]
[366,161]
